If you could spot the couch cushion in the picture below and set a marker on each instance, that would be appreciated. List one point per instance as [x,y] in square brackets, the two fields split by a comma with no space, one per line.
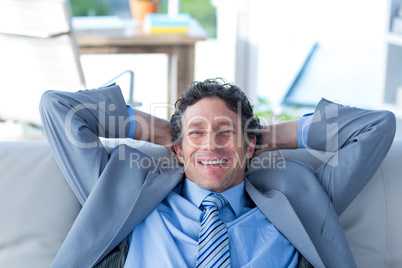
[37,207]
[373,220]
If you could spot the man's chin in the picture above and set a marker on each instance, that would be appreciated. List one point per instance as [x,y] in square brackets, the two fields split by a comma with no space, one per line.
[217,185]
[211,184]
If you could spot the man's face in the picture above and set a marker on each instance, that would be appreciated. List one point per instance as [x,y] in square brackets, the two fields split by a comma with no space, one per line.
[213,149]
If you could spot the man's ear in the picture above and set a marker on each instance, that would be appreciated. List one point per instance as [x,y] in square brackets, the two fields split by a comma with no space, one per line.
[252,140]
[179,153]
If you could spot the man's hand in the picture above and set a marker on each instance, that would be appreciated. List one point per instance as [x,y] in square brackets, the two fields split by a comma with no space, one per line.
[280,136]
[152,129]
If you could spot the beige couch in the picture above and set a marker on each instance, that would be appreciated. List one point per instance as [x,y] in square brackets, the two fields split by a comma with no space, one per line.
[37,207]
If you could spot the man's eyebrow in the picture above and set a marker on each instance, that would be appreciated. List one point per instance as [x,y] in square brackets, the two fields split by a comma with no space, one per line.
[219,122]
[226,123]
[197,124]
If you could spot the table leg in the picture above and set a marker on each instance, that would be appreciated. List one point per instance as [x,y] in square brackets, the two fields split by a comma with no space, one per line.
[185,67]
[180,72]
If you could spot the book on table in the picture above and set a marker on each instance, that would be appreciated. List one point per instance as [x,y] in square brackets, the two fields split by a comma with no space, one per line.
[163,23]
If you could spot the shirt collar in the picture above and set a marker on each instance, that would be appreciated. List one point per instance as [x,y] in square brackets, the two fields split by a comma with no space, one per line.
[235,195]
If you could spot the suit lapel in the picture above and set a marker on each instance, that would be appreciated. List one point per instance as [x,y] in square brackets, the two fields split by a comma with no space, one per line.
[276,207]
[149,197]
[152,194]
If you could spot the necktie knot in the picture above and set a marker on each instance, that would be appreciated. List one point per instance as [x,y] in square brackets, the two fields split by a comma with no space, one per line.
[215,200]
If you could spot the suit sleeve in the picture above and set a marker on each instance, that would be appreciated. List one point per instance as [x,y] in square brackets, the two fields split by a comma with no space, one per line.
[73,123]
[358,140]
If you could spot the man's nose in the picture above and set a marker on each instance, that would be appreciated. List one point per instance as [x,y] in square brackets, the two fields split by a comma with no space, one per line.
[210,141]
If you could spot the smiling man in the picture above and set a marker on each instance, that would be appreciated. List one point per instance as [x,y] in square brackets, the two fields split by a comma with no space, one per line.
[213,148]
[208,212]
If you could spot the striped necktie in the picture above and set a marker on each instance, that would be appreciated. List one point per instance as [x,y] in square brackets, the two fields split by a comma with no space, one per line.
[213,242]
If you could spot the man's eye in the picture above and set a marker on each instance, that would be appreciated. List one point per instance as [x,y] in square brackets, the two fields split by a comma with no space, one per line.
[226,131]
[195,132]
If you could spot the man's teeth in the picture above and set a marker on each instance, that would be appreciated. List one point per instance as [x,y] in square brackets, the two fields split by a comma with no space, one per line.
[214,162]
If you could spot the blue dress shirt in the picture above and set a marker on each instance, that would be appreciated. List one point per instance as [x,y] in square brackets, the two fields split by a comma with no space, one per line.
[168,237]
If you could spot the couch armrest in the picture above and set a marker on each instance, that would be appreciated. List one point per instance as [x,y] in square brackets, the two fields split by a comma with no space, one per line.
[373,220]
[37,207]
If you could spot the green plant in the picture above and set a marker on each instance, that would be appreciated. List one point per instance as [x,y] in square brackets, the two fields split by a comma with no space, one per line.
[264,110]
[90,7]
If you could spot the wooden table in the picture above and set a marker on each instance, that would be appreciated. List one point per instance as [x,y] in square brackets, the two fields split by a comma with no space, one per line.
[178,47]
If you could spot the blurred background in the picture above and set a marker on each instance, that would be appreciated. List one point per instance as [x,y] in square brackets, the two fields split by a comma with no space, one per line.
[286,55]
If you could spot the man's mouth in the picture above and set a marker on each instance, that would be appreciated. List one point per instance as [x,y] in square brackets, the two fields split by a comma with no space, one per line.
[214,162]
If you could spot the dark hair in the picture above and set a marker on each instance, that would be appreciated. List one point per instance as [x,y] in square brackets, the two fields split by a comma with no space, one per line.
[231,94]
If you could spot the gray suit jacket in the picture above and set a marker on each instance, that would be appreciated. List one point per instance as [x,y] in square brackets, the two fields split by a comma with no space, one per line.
[117,195]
